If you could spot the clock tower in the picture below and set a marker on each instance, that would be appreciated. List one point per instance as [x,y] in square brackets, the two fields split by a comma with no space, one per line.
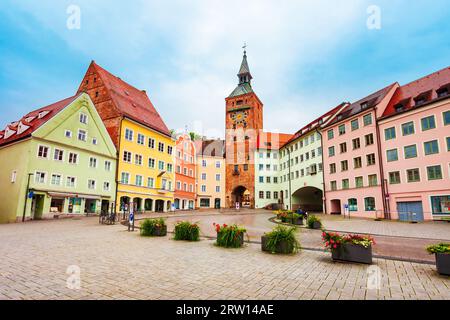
[243,123]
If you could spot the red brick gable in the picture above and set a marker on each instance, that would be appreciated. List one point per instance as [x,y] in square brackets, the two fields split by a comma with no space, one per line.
[425,88]
[114,98]
[32,121]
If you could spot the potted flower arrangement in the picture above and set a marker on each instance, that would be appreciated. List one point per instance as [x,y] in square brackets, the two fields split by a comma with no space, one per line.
[442,254]
[280,240]
[153,228]
[314,222]
[229,236]
[184,230]
[352,247]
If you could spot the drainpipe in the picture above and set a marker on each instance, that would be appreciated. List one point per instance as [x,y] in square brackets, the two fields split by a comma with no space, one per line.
[117,166]
[387,213]
[26,197]
[323,172]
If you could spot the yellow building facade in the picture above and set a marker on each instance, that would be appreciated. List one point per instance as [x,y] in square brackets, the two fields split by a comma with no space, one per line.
[145,171]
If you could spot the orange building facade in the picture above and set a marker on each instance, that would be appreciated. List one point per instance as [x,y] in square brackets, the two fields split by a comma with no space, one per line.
[185,173]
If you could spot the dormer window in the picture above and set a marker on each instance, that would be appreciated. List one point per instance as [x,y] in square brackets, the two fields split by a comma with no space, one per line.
[42,114]
[442,92]
[420,100]
[364,105]
[399,107]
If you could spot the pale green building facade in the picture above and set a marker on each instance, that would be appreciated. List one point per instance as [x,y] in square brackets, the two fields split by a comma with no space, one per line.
[64,155]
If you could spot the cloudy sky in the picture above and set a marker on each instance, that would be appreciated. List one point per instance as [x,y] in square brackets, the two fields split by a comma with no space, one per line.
[305,56]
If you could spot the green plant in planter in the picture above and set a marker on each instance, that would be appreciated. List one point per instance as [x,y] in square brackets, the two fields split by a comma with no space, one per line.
[152,227]
[229,236]
[184,230]
[313,221]
[439,248]
[282,240]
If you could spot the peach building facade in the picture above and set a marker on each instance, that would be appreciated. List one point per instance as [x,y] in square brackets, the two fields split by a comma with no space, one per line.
[352,173]
[185,173]
[415,139]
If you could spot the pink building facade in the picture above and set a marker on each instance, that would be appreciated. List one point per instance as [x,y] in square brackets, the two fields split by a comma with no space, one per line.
[415,139]
[351,164]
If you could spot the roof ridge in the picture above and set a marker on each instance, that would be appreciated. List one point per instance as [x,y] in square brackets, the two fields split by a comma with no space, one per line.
[426,76]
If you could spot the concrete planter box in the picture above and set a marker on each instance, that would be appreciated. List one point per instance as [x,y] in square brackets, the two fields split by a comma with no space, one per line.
[158,232]
[282,247]
[352,253]
[443,263]
[316,225]
[295,221]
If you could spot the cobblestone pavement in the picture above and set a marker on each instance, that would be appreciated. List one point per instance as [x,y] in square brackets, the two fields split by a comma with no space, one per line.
[116,264]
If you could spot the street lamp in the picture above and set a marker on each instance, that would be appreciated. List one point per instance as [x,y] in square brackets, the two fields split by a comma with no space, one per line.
[26,197]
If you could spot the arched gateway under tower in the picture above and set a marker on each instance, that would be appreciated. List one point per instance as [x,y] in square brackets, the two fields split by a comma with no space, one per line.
[243,122]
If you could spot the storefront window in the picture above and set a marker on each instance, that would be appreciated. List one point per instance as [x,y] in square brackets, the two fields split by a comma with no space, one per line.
[352,204]
[440,204]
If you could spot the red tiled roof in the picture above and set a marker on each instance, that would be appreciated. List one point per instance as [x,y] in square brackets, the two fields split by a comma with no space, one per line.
[212,148]
[132,102]
[308,127]
[35,122]
[425,87]
[272,140]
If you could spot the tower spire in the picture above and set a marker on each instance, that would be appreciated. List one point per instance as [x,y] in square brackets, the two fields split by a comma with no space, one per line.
[244,74]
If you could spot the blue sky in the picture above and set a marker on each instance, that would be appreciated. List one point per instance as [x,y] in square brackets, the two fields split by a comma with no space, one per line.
[305,56]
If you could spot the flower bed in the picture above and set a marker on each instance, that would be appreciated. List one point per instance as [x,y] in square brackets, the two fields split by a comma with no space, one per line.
[229,236]
[352,247]
[442,254]
[153,228]
[287,216]
[184,230]
[280,240]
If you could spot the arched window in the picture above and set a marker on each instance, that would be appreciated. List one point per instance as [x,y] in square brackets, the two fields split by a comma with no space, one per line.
[352,204]
[369,203]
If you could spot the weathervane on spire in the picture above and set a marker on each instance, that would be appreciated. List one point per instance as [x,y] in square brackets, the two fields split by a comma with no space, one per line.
[245,47]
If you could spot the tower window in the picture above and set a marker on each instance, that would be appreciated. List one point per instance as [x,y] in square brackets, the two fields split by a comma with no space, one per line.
[239,102]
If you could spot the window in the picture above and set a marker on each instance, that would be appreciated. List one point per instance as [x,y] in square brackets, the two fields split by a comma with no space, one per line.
[392,155]
[203,188]
[330,135]
[203,176]
[261,179]
[245,167]
[169,167]
[389,133]
[56,179]
[448,143]
[106,186]
[170,150]
[428,123]
[125,178]
[138,181]
[151,163]
[94,141]
[108,165]
[357,162]
[408,128]
[161,165]
[367,119]
[394,177]
[356,143]
[70,182]
[344,165]
[93,162]
[268,179]
[431,147]
[343,147]
[341,129]
[261,167]
[91,184]
[127,156]
[369,139]
[373,180]
[355,124]
[434,173]
[370,159]
[58,155]
[68,134]
[217,177]
[218,164]
[43,152]
[128,134]
[40,177]
[83,118]
[332,167]
[203,163]
[333,185]
[267,167]
[446,115]
[410,151]
[141,139]
[160,147]
[359,182]
[345,184]
[138,159]
[151,143]
[275,194]
[82,135]
[413,175]
[261,194]
[352,204]
[369,204]
[150,182]
[73,158]
[439,204]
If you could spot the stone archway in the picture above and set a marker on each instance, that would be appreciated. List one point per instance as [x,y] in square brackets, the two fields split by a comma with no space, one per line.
[242,196]
[310,199]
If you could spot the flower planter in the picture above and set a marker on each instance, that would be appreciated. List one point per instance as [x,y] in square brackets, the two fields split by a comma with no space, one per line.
[316,225]
[282,247]
[443,263]
[297,221]
[158,232]
[352,253]
[241,238]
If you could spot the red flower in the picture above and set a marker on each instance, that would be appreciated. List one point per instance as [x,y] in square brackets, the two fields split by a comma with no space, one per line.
[335,246]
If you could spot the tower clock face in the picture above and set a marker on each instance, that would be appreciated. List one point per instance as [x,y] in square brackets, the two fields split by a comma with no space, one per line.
[239,117]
